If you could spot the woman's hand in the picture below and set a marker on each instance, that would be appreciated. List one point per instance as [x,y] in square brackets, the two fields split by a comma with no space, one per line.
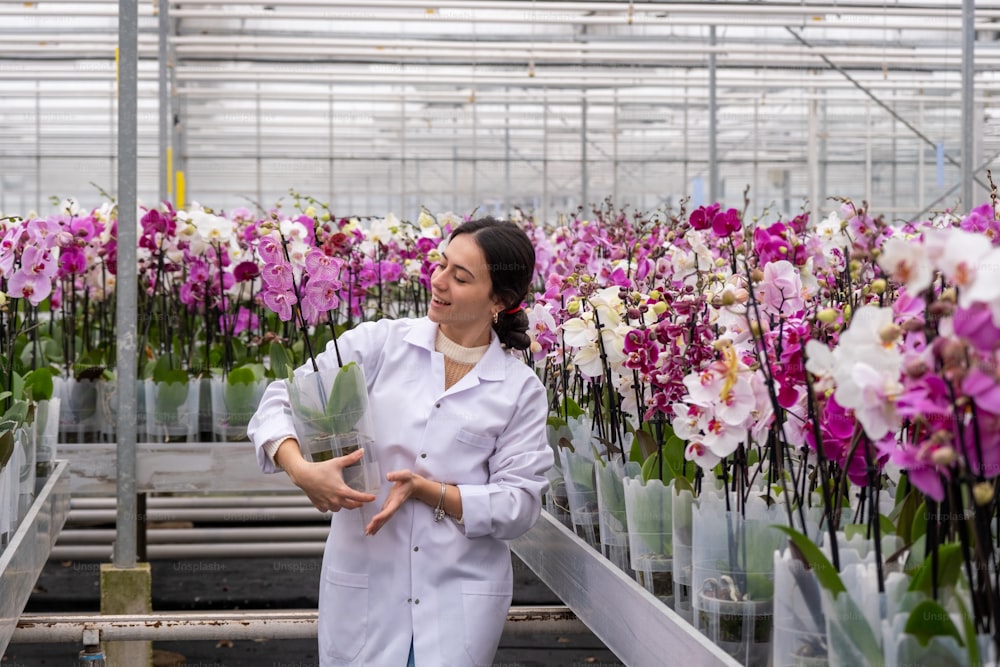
[404,488]
[323,482]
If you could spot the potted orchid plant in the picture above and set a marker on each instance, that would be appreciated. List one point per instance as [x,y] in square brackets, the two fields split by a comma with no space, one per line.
[329,407]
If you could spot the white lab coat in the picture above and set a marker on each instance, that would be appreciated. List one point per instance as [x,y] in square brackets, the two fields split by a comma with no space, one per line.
[446,585]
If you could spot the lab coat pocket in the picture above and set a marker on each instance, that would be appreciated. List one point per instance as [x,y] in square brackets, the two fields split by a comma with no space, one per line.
[475,439]
[344,613]
[485,604]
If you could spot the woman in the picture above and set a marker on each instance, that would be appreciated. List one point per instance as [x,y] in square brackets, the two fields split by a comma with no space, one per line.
[422,572]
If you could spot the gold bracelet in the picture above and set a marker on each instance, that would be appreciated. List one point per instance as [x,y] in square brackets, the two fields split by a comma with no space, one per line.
[439,510]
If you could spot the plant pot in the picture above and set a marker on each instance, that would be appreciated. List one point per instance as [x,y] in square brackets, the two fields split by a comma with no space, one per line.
[46,435]
[578,473]
[26,464]
[681,510]
[650,530]
[799,623]
[8,502]
[233,404]
[331,418]
[741,628]
[107,404]
[79,417]
[611,510]
[172,410]
[556,499]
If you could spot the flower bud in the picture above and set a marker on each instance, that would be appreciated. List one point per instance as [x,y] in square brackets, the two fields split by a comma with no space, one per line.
[949,295]
[720,262]
[310,212]
[916,368]
[983,493]
[827,315]
[944,456]
[634,314]
[535,347]
[890,333]
[655,295]
[660,307]
[573,307]
[3,299]
[728,298]
[756,275]
[325,217]
[913,325]
[878,286]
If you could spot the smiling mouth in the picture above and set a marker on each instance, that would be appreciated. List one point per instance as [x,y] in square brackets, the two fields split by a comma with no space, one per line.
[441,301]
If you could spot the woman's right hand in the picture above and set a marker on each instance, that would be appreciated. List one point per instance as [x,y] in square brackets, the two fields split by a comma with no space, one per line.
[322,482]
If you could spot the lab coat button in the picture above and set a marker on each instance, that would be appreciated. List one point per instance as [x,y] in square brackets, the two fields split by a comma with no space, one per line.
[437,405]
[416,548]
[409,600]
[423,455]
[417,601]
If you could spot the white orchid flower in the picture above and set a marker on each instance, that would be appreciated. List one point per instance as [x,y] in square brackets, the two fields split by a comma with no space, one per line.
[906,261]
[212,228]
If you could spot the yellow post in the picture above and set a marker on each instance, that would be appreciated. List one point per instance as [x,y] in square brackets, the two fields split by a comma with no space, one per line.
[180,189]
[170,170]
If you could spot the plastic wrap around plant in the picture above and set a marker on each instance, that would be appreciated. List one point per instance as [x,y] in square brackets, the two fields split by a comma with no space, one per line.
[331,417]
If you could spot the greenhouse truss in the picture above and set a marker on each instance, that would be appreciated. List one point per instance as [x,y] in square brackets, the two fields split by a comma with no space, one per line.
[391,105]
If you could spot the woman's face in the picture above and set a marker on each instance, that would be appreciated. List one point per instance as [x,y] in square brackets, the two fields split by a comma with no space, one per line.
[462,301]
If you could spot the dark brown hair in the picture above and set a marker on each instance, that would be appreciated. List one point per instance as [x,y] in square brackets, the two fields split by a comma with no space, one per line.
[510,257]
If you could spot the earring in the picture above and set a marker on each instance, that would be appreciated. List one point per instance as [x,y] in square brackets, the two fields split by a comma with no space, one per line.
[496,316]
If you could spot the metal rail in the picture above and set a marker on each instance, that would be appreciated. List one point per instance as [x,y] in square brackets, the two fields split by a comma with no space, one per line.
[239,624]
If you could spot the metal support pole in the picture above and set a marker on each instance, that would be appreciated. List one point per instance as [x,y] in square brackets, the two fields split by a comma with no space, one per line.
[756,197]
[922,152]
[331,196]
[545,156]
[614,149]
[402,156]
[813,155]
[968,102]
[584,176]
[868,153]
[260,183]
[506,144]
[164,108]
[713,110]
[38,146]
[126,290]
[475,153]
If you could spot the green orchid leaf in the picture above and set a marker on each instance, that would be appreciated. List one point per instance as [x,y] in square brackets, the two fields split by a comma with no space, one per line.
[555,421]
[919,527]
[170,396]
[904,513]
[949,569]
[242,375]
[815,560]
[850,634]
[929,619]
[38,385]
[971,638]
[6,442]
[281,365]
[646,443]
[571,409]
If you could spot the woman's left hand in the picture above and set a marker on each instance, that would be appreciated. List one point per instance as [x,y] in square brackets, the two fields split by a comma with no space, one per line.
[404,487]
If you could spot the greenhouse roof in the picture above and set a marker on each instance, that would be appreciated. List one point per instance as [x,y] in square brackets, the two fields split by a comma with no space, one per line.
[393,104]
